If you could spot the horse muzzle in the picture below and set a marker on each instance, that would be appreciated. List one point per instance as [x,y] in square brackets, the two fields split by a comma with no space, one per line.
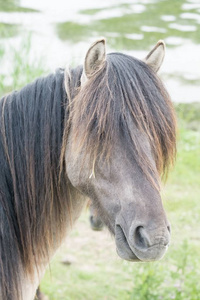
[142,244]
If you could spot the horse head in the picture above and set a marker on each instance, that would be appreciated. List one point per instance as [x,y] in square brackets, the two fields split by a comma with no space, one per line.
[120,141]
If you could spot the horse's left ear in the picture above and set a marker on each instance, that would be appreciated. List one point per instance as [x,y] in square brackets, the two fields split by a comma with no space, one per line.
[155,57]
[95,58]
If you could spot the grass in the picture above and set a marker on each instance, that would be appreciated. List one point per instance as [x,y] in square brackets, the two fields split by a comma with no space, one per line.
[93,11]
[13,6]
[23,70]
[8,30]
[72,31]
[94,270]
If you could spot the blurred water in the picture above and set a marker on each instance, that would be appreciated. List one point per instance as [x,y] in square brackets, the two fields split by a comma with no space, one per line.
[62,31]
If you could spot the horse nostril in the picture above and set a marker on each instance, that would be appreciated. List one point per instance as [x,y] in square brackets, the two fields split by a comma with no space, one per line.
[140,238]
[144,238]
[169,228]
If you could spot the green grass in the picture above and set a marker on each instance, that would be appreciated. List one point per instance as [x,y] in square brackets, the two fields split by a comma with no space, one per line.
[13,6]
[72,31]
[8,30]
[24,69]
[93,11]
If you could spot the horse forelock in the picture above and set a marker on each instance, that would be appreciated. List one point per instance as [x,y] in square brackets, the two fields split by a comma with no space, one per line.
[124,92]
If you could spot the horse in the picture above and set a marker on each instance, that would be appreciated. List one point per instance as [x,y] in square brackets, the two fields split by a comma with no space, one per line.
[105,130]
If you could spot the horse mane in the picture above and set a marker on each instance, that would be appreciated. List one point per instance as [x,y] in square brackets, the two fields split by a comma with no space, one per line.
[34,203]
[125,91]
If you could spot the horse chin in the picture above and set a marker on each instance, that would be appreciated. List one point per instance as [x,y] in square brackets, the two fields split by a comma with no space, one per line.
[127,254]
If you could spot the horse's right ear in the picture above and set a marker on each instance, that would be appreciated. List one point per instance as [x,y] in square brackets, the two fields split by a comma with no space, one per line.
[95,58]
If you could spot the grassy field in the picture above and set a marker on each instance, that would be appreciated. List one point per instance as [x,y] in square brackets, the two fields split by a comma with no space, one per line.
[91,268]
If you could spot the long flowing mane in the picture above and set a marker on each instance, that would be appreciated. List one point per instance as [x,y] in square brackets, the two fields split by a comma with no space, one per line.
[33,205]
[123,92]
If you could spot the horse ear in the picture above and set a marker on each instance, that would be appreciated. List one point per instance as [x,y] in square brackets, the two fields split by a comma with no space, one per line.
[155,57]
[95,58]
